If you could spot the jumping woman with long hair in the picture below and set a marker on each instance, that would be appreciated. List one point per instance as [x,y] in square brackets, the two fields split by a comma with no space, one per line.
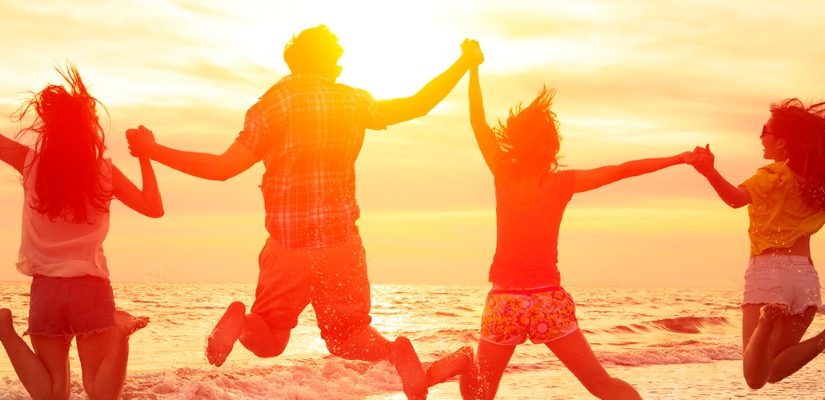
[68,185]
[786,205]
[527,300]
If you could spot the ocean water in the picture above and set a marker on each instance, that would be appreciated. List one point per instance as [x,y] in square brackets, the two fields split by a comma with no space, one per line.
[669,343]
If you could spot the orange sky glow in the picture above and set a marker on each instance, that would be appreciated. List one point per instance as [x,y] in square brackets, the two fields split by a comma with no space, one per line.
[634,79]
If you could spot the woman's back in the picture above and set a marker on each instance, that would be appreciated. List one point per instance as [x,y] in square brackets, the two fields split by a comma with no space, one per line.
[528,214]
[59,247]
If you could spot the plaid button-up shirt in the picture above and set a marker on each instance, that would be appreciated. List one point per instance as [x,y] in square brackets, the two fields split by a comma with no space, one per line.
[308,131]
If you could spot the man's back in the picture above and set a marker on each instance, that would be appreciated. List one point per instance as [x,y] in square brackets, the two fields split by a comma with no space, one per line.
[308,131]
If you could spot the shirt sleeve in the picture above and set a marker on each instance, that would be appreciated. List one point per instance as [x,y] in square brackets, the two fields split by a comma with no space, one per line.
[377,112]
[255,134]
[761,183]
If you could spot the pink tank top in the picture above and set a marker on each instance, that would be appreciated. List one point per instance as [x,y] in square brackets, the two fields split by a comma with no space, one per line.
[59,248]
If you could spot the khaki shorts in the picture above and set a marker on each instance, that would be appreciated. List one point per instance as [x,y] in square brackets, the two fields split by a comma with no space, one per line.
[333,279]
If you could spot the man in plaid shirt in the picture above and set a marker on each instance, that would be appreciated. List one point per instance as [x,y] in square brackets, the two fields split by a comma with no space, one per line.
[308,131]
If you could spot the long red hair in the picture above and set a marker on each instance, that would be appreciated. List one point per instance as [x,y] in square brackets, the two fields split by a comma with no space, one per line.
[68,151]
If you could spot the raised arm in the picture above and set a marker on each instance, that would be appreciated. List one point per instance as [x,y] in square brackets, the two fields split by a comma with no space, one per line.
[220,167]
[733,196]
[484,134]
[405,109]
[594,178]
[146,201]
[13,153]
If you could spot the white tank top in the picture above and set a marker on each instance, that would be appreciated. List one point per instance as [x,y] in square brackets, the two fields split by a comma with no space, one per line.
[59,248]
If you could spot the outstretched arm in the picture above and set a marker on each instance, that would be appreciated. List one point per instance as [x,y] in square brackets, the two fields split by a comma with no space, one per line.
[484,134]
[220,167]
[594,178]
[733,196]
[146,201]
[405,109]
[13,153]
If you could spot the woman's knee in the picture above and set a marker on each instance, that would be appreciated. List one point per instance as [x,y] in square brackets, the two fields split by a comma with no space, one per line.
[755,382]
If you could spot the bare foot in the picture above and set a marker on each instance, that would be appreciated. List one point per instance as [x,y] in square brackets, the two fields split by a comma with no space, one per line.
[225,334]
[458,362]
[126,324]
[769,313]
[409,369]
[6,323]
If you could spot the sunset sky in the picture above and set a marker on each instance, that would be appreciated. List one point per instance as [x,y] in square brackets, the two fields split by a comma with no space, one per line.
[634,79]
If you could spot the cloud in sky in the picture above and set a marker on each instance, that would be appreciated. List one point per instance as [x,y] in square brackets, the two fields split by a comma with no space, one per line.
[634,79]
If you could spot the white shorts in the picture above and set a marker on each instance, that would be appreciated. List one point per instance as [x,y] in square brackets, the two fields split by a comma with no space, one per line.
[782,279]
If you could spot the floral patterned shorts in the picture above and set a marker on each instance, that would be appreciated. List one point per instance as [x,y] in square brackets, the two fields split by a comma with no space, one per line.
[542,314]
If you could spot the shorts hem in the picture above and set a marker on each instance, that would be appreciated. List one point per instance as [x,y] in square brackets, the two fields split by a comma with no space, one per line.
[502,344]
[798,310]
[565,334]
[70,335]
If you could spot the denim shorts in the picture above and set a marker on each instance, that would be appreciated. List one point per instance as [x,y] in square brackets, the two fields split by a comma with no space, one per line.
[67,307]
[782,279]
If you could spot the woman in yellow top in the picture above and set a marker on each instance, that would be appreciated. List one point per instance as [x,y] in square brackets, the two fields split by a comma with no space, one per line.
[786,205]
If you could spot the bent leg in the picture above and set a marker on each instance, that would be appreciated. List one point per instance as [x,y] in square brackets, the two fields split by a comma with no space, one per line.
[262,339]
[775,332]
[365,343]
[103,356]
[459,362]
[575,353]
[791,355]
[44,372]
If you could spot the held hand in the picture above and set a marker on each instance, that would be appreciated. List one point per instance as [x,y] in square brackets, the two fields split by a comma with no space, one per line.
[687,157]
[140,141]
[471,52]
[703,161]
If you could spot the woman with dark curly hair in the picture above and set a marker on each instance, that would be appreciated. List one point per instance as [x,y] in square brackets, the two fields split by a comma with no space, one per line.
[68,185]
[786,205]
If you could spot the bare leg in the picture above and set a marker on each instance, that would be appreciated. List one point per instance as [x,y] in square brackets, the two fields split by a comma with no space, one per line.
[796,355]
[757,355]
[103,357]
[367,344]
[252,331]
[576,354]
[775,332]
[44,372]
[492,360]
[409,368]
[460,362]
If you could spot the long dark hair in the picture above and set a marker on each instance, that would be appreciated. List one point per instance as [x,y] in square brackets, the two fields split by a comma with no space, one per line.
[69,150]
[803,129]
[529,139]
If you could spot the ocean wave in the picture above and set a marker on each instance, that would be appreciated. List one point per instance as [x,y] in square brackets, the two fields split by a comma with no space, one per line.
[332,378]
[676,353]
[686,325]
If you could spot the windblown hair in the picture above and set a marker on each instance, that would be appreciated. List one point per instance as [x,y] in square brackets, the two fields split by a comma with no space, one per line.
[530,138]
[803,129]
[68,151]
[314,50]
